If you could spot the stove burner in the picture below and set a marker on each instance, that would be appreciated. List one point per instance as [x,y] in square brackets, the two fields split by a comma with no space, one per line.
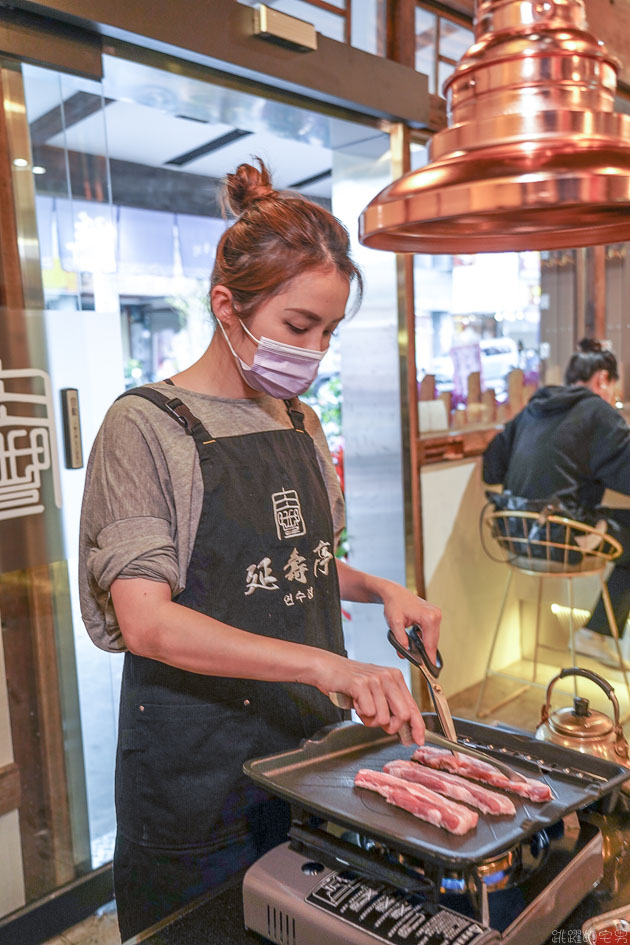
[499,872]
[495,874]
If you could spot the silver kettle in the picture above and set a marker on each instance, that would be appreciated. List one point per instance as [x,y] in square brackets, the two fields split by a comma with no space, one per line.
[584,729]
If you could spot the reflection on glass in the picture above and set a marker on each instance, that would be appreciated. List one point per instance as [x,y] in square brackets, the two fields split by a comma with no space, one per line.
[454,39]
[425,44]
[444,70]
[368,26]
[419,155]
[477,333]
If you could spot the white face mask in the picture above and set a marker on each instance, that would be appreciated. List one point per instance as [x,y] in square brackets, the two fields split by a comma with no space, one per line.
[278,369]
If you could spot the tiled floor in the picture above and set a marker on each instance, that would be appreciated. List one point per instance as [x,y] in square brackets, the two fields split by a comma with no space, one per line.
[523,712]
[99,929]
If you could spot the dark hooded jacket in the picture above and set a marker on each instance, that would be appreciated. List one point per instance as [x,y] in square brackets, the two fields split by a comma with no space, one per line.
[567,443]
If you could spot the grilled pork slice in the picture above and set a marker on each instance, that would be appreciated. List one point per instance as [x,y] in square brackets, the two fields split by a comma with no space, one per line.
[488,802]
[481,771]
[418,800]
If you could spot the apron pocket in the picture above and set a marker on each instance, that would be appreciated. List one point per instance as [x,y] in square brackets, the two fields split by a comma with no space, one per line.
[190,785]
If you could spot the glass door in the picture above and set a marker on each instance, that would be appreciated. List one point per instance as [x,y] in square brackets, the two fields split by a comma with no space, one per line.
[116,188]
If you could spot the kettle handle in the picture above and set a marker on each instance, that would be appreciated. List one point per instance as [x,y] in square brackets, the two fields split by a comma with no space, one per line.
[588,674]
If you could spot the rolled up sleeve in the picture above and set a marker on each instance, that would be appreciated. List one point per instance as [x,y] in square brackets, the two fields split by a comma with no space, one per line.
[127,522]
[135,547]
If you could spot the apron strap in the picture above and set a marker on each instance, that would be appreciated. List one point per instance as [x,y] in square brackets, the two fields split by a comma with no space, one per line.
[192,424]
[176,409]
[296,416]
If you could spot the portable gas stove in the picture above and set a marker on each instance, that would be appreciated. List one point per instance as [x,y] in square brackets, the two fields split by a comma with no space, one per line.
[357,869]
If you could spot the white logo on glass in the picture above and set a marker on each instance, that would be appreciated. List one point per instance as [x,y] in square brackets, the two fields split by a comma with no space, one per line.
[288,514]
[28,444]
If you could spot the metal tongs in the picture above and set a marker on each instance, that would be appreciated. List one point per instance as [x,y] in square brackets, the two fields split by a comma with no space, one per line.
[431,671]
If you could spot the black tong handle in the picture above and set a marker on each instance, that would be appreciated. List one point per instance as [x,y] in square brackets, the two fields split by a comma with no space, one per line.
[416,643]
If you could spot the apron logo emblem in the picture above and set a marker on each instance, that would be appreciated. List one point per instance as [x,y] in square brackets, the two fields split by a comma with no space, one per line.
[288,514]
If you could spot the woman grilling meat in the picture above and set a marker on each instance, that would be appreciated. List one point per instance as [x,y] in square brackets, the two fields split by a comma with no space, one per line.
[209,523]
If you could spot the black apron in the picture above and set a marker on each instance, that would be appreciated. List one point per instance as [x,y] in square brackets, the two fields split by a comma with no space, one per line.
[262,561]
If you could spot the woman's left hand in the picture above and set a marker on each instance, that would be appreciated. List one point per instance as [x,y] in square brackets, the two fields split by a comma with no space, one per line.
[403,609]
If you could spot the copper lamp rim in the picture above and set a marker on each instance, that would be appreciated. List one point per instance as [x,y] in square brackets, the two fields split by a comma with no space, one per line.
[498,238]
[535,211]
[535,157]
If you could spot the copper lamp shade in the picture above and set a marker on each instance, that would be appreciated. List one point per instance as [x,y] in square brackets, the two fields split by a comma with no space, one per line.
[534,156]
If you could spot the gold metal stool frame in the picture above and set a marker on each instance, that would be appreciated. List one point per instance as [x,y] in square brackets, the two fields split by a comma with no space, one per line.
[559,547]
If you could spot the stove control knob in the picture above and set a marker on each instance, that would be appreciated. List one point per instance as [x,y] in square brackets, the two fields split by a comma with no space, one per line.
[312,869]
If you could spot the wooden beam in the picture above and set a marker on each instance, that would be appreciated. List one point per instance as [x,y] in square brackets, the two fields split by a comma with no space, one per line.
[30,38]
[11,289]
[463,9]
[437,113]
[401,32]
[412,496]
[334,74]
[599,291]
[41,604]
[412,395]
[10,788]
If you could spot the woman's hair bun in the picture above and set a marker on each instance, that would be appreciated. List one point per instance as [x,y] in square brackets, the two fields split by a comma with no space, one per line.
[586,345]
[247,185]
[591,356]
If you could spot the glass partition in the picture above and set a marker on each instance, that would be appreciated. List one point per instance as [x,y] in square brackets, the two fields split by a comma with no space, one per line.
[477,334]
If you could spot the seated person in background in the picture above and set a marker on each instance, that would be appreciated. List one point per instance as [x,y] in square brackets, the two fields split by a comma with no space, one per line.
[569,444]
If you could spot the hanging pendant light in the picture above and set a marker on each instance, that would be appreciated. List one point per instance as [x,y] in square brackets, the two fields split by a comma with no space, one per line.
[534,156]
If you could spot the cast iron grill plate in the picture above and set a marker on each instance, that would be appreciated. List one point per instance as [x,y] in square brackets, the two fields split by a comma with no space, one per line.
[319,777]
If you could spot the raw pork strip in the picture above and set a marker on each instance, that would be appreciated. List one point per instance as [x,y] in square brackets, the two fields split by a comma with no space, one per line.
[420,801]
[480,771]
[452,786]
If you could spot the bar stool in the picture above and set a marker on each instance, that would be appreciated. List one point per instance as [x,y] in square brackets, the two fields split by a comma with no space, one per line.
[547,545]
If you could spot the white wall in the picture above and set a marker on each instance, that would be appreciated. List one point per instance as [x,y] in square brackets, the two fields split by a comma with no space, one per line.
[371,413]
[85,351]
[460,578]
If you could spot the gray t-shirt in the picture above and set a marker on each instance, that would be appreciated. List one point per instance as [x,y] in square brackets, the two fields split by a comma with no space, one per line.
[144,492]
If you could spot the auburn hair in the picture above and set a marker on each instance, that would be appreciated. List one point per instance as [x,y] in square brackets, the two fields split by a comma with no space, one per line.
[277,236]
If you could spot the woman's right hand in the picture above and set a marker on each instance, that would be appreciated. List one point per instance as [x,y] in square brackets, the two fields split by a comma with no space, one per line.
[379,693]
